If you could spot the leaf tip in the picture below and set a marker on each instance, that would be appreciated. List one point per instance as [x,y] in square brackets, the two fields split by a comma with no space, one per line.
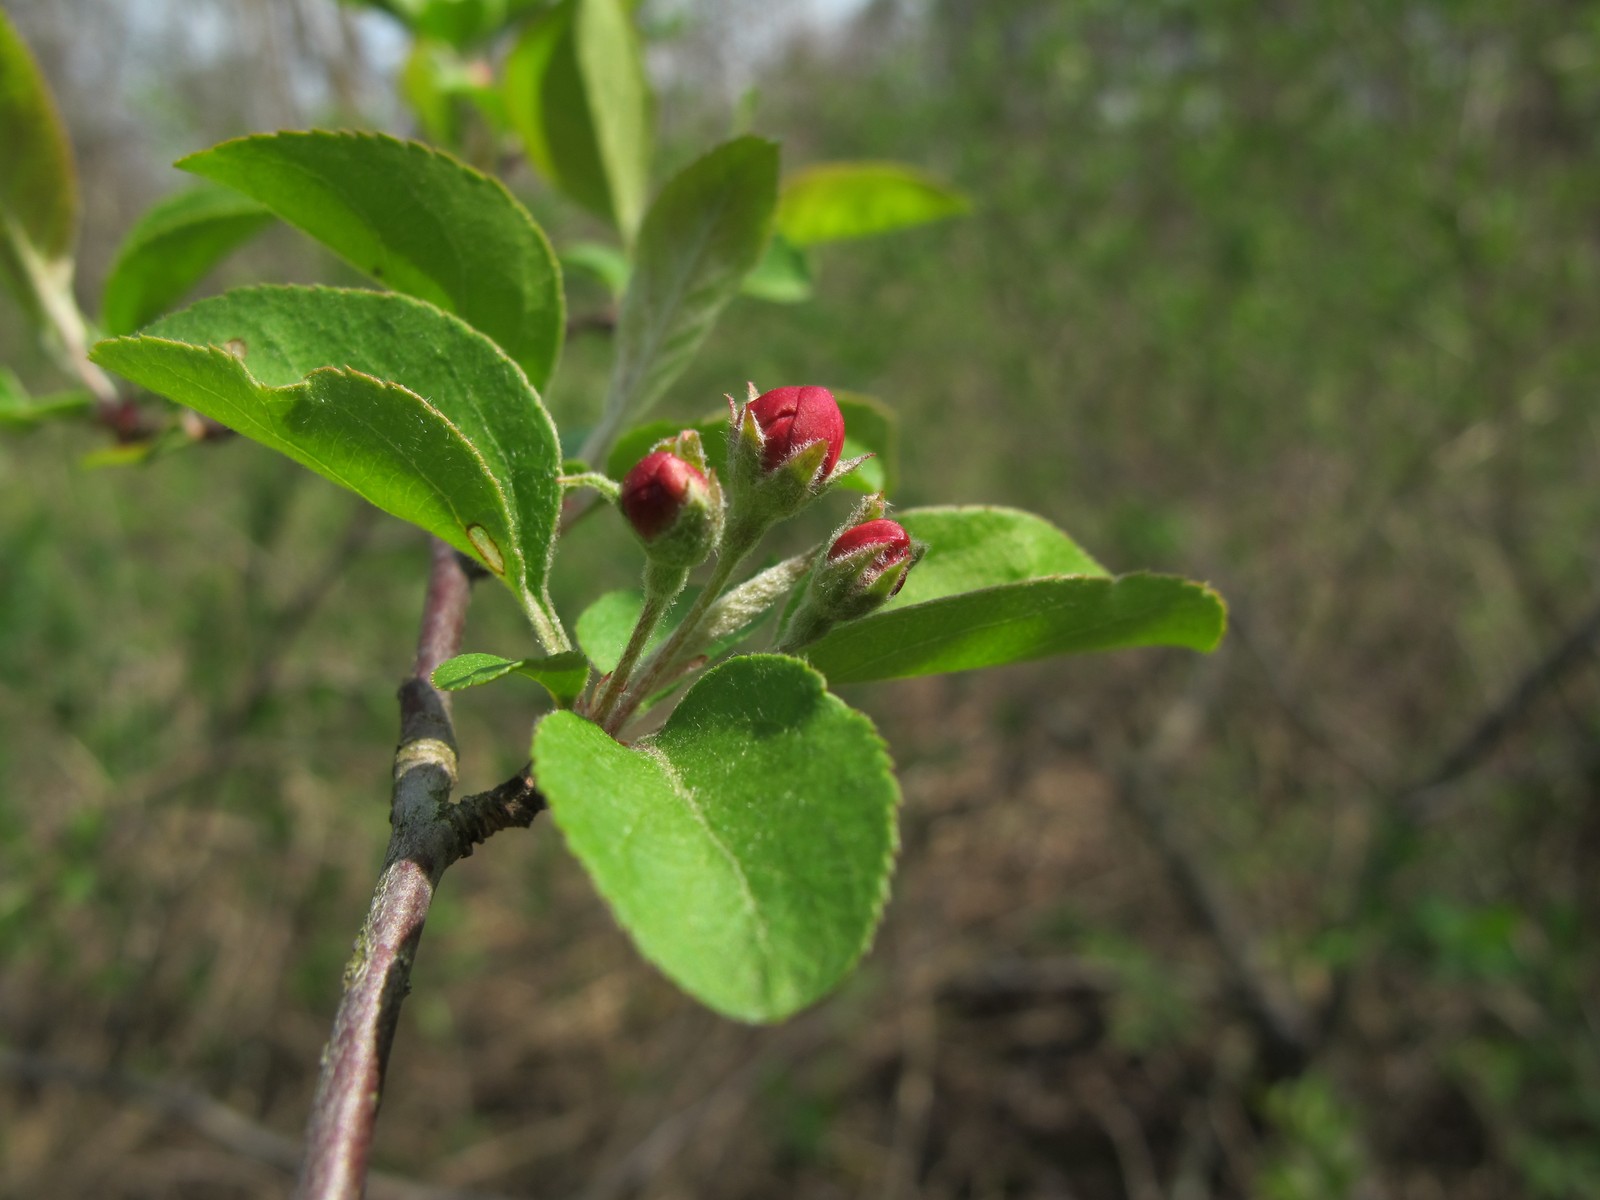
[1219,609]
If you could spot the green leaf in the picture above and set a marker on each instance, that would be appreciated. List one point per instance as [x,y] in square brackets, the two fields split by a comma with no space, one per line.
[604,263]
[38,185]
[416,411]
[999,586]
[835,201]
[576,91]
[417,221]
[979,546]
[18,410]
[700,238]
[783,276]
[471,670]
[459,22]
[746,847]
[563,675]
[129,454]
[611,63]
[171,248]
[1018,622]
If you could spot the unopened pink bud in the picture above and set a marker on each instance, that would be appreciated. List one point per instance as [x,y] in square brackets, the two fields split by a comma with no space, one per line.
[890,542]
[656,491]
[791,418]
[864,568]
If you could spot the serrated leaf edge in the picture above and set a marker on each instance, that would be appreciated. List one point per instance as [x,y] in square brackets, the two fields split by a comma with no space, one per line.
[472,174]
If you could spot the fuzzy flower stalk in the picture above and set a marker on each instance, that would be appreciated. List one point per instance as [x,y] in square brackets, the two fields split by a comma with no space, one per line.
[673,503]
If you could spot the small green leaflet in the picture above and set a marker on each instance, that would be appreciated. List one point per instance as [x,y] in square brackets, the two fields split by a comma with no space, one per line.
[606,264]
[604,627]
[18,410]
[563,675]
[747,847]
[870,427]
[783,276]
[832,202]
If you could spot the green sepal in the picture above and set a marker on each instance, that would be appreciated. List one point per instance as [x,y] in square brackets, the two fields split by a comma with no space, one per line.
[563,675]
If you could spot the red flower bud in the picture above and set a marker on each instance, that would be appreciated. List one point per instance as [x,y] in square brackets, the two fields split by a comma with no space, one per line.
[794,417]
[889,541]
[655,492]
[866,566]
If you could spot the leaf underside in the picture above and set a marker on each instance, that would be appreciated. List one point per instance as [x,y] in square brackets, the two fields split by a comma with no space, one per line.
[38,185]
[171,248]
[700,238]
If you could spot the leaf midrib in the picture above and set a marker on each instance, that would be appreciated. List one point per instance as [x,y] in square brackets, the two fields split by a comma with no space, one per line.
[685,795]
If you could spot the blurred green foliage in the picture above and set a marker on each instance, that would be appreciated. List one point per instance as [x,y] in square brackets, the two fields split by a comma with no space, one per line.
[1318,1153]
